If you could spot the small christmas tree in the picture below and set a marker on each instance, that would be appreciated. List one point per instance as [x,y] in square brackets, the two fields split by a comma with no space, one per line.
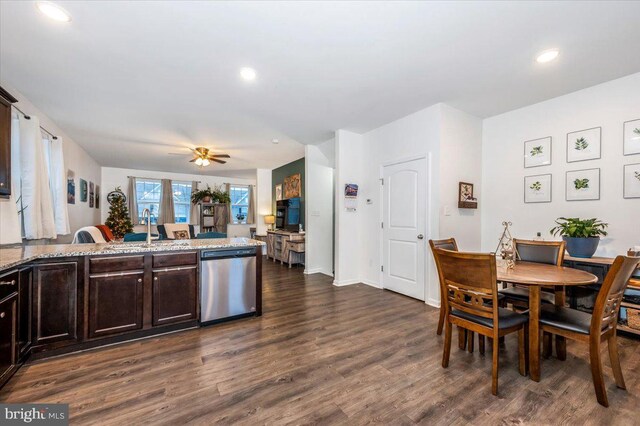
[118,221]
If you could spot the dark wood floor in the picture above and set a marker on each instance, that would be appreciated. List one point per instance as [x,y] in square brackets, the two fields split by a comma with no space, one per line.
[326,355]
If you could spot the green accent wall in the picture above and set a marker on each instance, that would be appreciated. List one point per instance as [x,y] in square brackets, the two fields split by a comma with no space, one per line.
[277,177]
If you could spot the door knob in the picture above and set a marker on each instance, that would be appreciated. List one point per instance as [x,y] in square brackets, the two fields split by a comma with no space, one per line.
[420,237]
[2,315]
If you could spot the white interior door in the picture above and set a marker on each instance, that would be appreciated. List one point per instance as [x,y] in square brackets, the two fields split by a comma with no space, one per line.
[404,227]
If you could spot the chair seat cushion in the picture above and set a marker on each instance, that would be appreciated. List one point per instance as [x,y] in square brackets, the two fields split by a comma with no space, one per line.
[522,295]
[565,318]
[506,318]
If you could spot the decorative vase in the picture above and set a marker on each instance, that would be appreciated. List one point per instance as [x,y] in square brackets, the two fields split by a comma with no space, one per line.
[206,199]
[582,247]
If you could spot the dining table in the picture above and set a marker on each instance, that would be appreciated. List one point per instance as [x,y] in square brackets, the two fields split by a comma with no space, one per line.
[536,276]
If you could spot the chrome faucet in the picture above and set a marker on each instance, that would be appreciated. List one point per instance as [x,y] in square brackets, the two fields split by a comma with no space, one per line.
[147,213]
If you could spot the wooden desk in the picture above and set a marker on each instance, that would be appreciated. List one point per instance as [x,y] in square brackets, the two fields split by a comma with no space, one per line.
[535,276]
[276,246]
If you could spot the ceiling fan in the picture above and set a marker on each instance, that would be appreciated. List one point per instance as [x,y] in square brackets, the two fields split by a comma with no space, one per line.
[203,156]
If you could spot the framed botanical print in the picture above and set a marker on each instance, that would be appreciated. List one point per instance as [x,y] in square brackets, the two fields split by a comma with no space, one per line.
[537,189]
[537,152]
[631,131]
[584,145]
[631,181]
[583,185]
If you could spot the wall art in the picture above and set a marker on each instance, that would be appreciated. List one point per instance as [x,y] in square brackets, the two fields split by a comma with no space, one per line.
[583,185]
[537,189]
[83,190]
[537,152]
[631,180]
[293,186]
[584,145]
[71,187]
[631,131]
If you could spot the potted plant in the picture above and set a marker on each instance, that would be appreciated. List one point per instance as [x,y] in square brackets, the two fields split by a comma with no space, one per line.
[220,196]
[203,195]
[581,235]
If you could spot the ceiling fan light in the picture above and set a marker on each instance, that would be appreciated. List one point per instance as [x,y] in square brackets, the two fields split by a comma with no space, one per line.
[199,161]
[206,162]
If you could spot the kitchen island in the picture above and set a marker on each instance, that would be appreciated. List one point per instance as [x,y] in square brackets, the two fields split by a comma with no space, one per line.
[56,299]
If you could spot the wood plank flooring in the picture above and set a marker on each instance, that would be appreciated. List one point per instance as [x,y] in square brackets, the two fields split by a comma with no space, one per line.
[324,355]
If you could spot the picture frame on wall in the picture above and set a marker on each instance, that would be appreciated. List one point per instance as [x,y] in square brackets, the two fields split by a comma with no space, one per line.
[631,132]
[293,186]
[71,187]
[583,185]
[83,190]
[538,188]
[631,180]
[466,199]
[584,145]
[537,152]
[97,196]
[279,192]
[91,194]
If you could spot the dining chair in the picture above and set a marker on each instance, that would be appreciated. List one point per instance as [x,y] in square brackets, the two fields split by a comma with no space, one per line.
[447,244]
[471,302]
[596,327]
[548,252]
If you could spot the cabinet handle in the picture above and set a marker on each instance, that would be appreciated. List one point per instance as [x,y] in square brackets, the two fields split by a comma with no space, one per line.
[2,315]
[155,278]
[1,184]
[139,280]
[12,282]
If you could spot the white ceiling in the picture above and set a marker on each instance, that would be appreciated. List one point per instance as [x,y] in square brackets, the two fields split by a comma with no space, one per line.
[132,81]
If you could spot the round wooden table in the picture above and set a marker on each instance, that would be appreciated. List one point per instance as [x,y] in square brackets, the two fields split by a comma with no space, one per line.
[535,276]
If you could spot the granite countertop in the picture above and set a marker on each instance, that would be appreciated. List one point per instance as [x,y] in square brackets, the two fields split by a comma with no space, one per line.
[14,256]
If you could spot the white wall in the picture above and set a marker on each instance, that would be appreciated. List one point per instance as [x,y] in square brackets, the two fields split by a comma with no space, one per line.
[607,105]
[113,177]
[76,159]
[460,161]
[263,199]
[349,152]
[319,190]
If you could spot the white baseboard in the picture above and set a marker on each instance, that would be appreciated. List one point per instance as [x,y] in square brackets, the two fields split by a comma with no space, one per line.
[371,283]
[345,282]
[317,271]
[432,302]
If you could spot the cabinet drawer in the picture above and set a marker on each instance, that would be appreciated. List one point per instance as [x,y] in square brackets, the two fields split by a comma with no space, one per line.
[175,259]
[116,263]
[8,283]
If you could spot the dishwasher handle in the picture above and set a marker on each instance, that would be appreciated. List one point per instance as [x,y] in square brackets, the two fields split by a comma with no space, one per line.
[227,254]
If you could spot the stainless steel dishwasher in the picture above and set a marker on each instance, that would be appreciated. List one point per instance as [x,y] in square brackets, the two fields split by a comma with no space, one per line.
[227,284]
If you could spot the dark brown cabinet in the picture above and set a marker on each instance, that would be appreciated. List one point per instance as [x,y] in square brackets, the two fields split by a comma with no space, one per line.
[5,142]
[175,293]
[8,329]
[24,311]
[55,295]
[115,303]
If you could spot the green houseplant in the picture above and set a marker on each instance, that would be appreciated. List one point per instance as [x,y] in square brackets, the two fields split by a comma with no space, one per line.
[581,235]
[208,195]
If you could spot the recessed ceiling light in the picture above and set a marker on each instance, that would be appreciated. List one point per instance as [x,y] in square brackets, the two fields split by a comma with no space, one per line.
[248,74]
[547,56]
[275,141]
[53,11]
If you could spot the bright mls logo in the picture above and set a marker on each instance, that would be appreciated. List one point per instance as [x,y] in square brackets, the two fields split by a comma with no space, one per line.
[36,414]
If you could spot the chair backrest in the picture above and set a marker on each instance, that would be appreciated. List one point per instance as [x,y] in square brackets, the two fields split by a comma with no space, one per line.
[83,237]
[470,282]
[135,236]
[203,235]
[549,252]
[163,232]
[448,244]
[605,311]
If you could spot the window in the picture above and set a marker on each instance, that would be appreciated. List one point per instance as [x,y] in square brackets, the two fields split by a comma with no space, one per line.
[239,203]
[148,196]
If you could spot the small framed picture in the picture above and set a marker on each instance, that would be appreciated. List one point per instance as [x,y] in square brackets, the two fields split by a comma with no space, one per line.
[91,194]
[279,192]
[83,190]
[537,152]
[631,131]
[537,189]
[584,145]
[466,199]
[632,180]
[583,185]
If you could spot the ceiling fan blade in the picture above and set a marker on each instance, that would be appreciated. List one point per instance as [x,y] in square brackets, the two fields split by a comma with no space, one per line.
[218,161]
[193,161]
[220,156]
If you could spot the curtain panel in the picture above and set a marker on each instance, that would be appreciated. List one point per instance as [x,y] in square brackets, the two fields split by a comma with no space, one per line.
[132,201]
[58,184]
[167,211]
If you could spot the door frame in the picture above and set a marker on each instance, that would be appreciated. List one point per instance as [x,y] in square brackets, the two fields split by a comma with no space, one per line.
[428,231]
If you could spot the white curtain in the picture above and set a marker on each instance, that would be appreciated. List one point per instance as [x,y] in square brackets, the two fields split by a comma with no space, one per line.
[251,214]
[36,194]
[10,216]
[167,211]
[194,213]
[58,183]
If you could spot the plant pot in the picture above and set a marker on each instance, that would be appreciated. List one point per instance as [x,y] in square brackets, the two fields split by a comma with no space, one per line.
[582,247]
[206,199]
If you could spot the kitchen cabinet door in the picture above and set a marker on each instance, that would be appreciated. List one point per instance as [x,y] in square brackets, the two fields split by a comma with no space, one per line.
[55,295]
[175,295]
[115,303]
[25,300]
[8,330]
